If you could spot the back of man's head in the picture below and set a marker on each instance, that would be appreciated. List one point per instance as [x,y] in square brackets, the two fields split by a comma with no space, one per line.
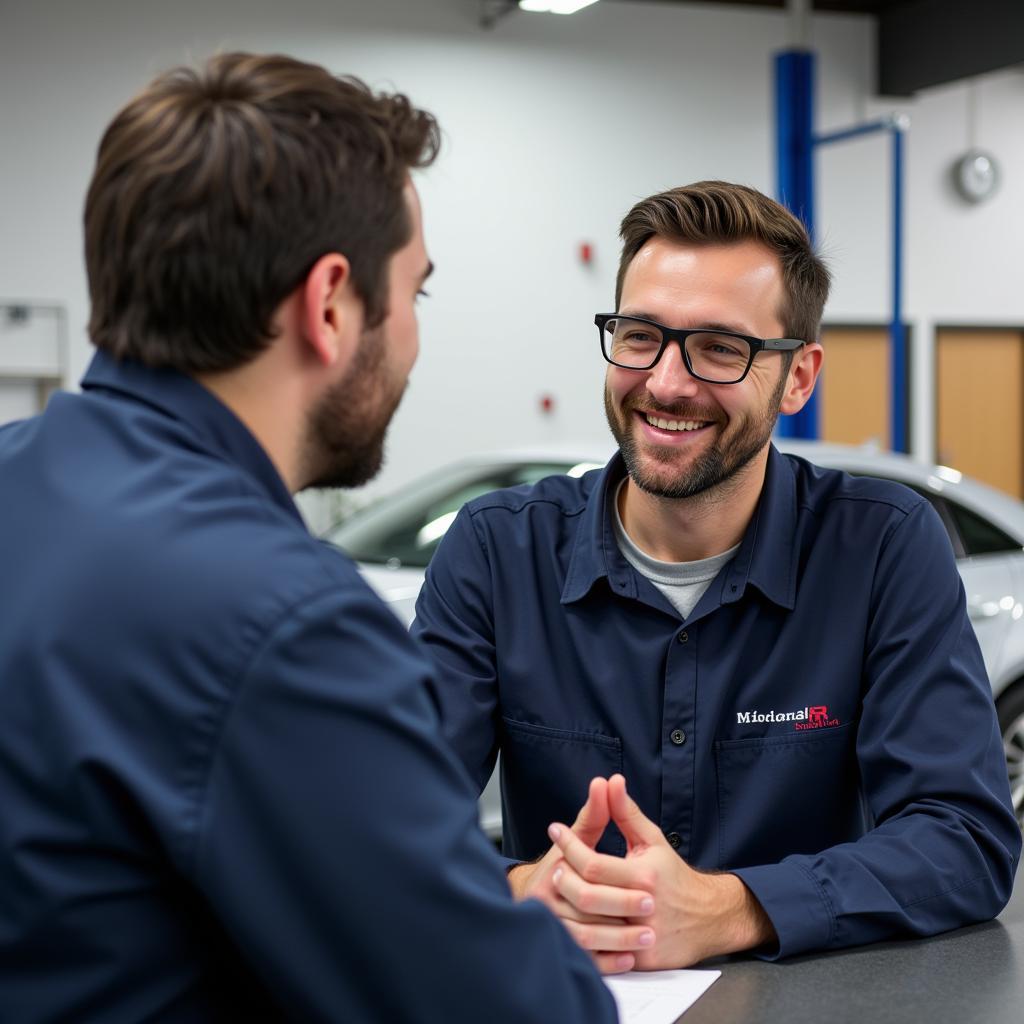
[215,192]
[719,212]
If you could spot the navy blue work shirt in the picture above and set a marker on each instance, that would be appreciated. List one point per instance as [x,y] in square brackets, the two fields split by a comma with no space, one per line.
[821,724]
[224,794]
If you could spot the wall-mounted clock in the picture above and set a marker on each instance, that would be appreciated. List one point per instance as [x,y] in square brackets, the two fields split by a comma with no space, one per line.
[976,175]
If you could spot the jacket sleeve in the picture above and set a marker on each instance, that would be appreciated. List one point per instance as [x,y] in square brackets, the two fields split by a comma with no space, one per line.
[454,620]
[943,844]
[336,839]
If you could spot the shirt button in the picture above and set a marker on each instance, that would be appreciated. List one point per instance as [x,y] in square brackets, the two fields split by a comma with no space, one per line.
[674,839]
[678,737]
[683,637]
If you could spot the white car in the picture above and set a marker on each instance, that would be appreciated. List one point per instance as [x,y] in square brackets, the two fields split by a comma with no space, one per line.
[393,540]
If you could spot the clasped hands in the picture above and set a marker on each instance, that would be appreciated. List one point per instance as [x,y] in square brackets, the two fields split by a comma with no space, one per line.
[646,911]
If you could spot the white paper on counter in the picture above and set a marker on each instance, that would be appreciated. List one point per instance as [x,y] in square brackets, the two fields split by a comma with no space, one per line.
[658,997]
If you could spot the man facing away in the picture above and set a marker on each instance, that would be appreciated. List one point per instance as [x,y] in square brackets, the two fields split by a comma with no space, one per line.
[777,657]
[224,794]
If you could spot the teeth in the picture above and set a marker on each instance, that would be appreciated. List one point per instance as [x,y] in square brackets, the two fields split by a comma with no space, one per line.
[663,424]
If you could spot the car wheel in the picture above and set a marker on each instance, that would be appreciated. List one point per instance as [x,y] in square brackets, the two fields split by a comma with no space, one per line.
[1011,724]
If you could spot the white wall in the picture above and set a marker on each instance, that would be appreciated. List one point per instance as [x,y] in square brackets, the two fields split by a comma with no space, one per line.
[553,126]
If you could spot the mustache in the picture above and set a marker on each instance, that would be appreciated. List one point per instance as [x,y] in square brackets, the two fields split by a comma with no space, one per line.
[676,410]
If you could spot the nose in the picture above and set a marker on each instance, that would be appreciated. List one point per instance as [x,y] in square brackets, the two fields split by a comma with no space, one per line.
[669,379]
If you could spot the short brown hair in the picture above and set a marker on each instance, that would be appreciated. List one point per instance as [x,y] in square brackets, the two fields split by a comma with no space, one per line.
[715,212]
[216,191]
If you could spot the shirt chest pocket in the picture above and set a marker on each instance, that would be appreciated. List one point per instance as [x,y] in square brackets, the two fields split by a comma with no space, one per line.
[545,774]
[779,795]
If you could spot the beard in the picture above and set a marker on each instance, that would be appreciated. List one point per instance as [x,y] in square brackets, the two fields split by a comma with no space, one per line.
[347,428]
[712,468]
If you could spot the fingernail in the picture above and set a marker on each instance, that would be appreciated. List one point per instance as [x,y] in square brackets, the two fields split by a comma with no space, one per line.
[554,832]
[556,877]
[624,962]
[647,938]
[646,905]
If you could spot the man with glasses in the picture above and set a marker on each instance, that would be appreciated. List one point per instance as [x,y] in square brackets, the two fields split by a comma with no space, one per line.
[774,657]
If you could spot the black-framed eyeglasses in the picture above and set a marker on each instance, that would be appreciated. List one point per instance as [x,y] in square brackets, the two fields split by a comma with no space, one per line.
[718,357]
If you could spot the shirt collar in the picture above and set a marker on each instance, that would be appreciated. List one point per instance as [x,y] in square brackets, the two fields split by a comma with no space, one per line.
[176,395]
[766,556]
[596,552]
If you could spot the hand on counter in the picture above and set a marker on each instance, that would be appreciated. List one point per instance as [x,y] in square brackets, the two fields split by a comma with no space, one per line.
[607,921]
[695,915]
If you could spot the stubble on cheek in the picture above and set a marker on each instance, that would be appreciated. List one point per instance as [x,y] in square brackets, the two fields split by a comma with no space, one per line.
[665,471]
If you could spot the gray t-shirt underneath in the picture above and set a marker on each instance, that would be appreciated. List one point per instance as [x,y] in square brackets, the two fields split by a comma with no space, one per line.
[683,583]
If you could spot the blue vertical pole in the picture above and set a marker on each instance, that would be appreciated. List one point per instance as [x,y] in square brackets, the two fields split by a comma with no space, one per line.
[897,340]
[794,122]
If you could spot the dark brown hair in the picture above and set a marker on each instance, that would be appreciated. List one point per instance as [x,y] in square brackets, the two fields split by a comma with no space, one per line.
[216,191]
[715,212]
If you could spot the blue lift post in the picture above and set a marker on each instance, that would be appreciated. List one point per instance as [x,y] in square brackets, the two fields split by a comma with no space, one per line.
[794,85]
[794,121]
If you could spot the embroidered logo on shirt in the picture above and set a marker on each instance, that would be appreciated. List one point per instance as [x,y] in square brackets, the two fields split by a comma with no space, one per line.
[806,718]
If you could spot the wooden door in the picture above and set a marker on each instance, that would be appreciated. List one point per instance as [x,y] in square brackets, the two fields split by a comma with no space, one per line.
[854,386]
[980,385]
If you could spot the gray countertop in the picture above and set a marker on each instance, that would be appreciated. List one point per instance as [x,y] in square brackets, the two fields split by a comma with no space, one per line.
[973,974]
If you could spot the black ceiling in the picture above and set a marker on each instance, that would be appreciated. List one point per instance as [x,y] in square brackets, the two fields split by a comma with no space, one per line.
[921,43]
[850,6]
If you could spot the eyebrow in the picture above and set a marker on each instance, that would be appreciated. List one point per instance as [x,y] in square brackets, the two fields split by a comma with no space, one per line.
[426,273]
[714,325]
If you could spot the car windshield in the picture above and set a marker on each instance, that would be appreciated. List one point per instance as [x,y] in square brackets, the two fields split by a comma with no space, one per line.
[405,529]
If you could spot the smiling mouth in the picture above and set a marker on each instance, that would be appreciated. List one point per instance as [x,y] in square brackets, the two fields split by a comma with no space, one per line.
[664,423]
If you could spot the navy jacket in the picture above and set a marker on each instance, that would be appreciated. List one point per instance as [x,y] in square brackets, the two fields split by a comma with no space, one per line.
[821,724]
[224,794]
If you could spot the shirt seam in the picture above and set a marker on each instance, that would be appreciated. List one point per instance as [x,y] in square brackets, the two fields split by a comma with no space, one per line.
[823,893]
[479,537]
[947,891]
[438,593]
[870,500]
[474,511]
[882,552]
[515,509]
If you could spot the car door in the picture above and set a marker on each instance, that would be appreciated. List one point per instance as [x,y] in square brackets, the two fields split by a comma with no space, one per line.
[992,567]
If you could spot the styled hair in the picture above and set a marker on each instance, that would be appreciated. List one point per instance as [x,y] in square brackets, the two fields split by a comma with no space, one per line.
[216,191]
[716,212]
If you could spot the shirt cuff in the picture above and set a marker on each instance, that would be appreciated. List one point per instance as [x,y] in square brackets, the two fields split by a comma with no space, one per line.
[796,904]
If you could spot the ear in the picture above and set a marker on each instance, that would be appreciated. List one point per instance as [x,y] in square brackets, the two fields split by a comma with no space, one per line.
[331,312]
[803,373]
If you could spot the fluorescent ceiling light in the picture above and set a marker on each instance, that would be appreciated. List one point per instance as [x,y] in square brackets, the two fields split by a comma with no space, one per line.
[555,6]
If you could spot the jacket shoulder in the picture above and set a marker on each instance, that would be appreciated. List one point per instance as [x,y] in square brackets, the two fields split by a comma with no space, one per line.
[819,487]
[560,494]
